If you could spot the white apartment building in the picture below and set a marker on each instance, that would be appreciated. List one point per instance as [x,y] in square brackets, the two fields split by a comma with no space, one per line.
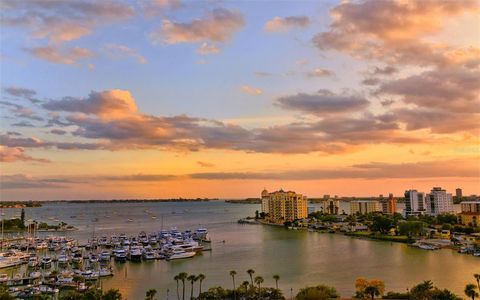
[439,202]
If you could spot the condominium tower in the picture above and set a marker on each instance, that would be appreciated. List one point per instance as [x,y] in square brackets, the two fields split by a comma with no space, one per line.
[439,202]
[414,203]
[284,206]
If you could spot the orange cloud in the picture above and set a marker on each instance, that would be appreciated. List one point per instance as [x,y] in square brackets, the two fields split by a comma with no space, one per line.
[63,21]
[247,89]
[116,51]
[67,56]
[218,25]
[392,30]
[8,154]
[279,24]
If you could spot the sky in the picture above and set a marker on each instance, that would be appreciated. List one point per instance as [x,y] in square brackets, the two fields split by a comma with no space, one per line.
[171,98]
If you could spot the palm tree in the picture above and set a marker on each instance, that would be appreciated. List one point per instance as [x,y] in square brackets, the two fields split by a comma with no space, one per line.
[259,280]
[177,278]
[470,291]
[245,285]
[150,294]
[200,277]
[477,277]
[182,276]
[250,273]
[192,279]
[277,278]
[233,273]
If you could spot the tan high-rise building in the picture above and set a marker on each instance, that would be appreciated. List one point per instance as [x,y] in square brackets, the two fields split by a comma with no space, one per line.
[285,206]
[364,206]
[331,206]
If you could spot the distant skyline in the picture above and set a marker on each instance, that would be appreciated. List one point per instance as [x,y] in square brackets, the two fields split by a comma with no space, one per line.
[170,98]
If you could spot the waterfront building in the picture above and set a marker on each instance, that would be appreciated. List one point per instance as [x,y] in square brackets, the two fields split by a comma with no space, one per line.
[439,202]
[470,213]
[389,205]
[458,193]
[331,206]
[286,206]
[265,197]
[364,206]
[414,203]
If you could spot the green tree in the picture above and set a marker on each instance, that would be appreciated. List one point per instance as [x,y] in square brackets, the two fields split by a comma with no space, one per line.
[192,279]
[422,291]
[112,294]
[150,294]
[319,292]
[470,291]
[477,278]
[381,224]
[201,278]
[411,228]
[258,280]
[250,273]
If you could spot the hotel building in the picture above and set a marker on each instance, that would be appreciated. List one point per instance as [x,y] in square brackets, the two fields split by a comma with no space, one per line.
[284,206]
[439,202]
[470,214]
[364,206]
[414,203]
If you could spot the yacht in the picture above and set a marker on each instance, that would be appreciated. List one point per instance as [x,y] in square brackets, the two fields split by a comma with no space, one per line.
[149,254]
[180,254]
[120,255]
[33,262]
[63,258]
[3,278]
[93,258]
[77,257]
[201,234]
[104,272]
[135,254]
[105,256]
[46,262]
[35,275]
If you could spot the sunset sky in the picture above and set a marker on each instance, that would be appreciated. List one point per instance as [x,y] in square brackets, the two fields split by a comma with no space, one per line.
[169,98]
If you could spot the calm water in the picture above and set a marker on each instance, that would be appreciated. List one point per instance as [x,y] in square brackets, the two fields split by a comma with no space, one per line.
[300,258]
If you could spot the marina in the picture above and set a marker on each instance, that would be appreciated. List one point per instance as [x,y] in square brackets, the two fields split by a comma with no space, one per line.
[314,256]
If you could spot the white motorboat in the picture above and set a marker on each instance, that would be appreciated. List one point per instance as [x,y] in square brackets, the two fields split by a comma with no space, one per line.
[105,256]
[46,262]
[63,258]
[93,258]
[120,255]
[135,254]
[3,278]
[33,262]
[149,254]
[35,275]
[178,253]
